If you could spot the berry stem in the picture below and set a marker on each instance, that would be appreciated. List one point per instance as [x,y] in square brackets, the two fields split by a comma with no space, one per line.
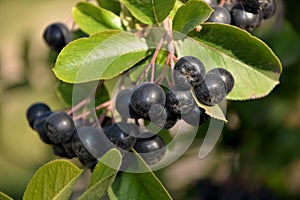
[85,114]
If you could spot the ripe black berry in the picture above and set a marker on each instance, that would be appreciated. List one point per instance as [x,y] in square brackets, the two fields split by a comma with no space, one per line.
[122,134]
[212,91]
[89,143]
[57,35]
[244,17]
[257,4]
[59,127]
[36,110]
[226,77]
[179,101]
[59,150]
[196,116]
[150,147]
[269,10]
[39,127]
[144,96]
[220,15]
[188,72]
[162,117]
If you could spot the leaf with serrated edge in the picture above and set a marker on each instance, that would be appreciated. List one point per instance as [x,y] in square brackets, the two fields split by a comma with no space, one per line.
[103,175]
[92,19]
[149,11]
[5,196]
[103,55]
[255,68]
[190,15]
[54,180]
[144,186]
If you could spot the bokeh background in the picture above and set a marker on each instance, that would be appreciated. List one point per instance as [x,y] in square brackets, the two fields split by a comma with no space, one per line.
[257,156]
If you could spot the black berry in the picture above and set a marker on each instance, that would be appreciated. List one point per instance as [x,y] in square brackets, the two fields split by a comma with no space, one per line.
[59,127]
[244,17]
[144,96]
[196,116]
[89,143]
[212,91]
[150,147]
[36,110]
[162,117]
[179,101]
[122,134]
[226,77]
[59,150]
[39,127]
[57,36]
[188,72]
[220,15]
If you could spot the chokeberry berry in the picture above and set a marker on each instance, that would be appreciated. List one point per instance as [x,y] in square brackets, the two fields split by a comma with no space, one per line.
[257,4]
[179,101]
[68,148]
[144,96]
[35,110]
[89,143]
[189,71]
[59,150]
[57,36]
[212,91]
[162,117]
[226,77]
[39,127]
[220,15]
[59,127]
[269,10]
[122,134]
[244,17]
[196,116]
[151,147]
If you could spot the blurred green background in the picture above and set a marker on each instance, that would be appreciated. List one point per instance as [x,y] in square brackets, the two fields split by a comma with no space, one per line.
[258,152]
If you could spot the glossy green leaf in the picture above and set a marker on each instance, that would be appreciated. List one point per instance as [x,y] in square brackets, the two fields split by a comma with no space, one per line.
[112,5]
[144,186]
[149,11]
[191,15]
[91,18]
[254,66]
[4,196]
[103,175]
[54,180]
[103,55]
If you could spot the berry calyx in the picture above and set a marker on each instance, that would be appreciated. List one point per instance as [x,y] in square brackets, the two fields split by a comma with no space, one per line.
[122,134]
[57,36]
[144,96]
[179,101]
[212,91]
[220,15]
[226,77]
[189,71]
[150,147]
[35,110]
[59,127]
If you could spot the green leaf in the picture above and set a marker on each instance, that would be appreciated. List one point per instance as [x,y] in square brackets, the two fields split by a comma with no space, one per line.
[5,197]
[144,186]
[53,180]
[191,15]
[92,19]
[103,55]
[255,68]
[149,11]
[112,5]
[103,175]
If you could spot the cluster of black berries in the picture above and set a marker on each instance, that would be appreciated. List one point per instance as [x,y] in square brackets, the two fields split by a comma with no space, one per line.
[246,14]
[57,36]
[149,101]
[87,142]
